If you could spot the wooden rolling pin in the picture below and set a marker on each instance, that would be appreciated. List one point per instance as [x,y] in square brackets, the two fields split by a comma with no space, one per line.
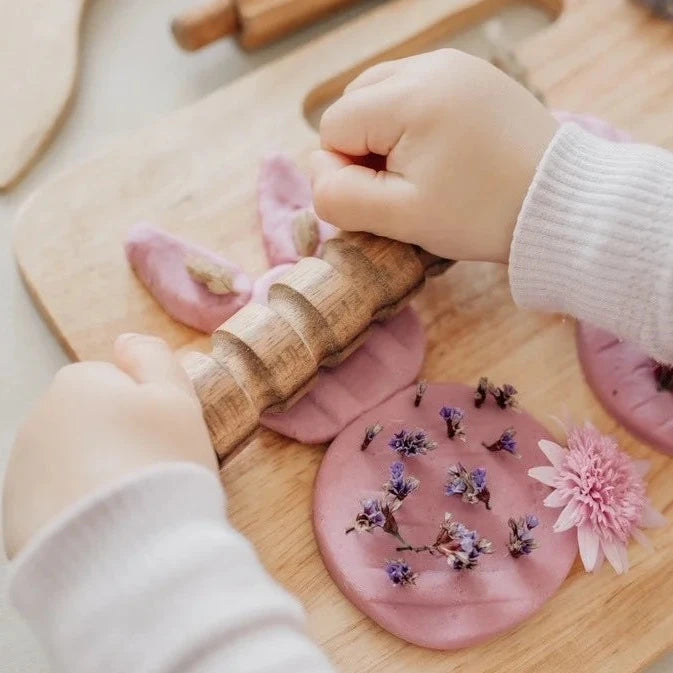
[264,358]
[255,22]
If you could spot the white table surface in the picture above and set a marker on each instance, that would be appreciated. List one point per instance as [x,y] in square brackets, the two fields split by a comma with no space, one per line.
[131,74]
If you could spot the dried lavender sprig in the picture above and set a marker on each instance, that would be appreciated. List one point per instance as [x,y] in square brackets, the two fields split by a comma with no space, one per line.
[398,487]
[505,396]
[420,391]
[481,392]
[663,375]
[376,514]
[506,442]
[470,486]
[370,433]
[412,443]
[400,573]
[454,418]
[521,540]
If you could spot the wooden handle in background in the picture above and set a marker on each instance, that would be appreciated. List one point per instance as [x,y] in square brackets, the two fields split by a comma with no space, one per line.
[266,357]
[256,22]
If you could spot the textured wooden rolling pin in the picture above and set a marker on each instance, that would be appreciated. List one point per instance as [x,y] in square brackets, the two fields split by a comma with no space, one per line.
[266,357]
[255,22]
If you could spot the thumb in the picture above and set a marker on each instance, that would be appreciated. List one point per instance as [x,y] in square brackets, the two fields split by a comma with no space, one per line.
[148,359]
[358,198]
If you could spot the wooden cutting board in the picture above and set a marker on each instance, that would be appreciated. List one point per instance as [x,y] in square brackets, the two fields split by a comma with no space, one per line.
[194,173]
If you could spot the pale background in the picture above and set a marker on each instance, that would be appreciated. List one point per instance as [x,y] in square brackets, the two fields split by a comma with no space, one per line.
[131,73]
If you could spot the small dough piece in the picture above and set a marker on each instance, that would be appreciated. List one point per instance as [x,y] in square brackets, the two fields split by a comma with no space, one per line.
[390,359]
[161,262]
[284,195]
[447,609]
[622,378]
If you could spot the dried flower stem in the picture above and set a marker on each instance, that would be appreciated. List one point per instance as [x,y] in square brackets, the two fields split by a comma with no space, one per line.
[420,391]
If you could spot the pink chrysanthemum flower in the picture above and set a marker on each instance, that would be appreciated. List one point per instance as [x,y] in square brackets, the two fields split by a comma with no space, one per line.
[602,492]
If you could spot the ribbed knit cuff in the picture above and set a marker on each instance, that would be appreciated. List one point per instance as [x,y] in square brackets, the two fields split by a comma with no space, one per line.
[594,238]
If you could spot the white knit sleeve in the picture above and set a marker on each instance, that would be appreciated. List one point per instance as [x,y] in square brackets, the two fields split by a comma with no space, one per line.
[594,238]
[149,576]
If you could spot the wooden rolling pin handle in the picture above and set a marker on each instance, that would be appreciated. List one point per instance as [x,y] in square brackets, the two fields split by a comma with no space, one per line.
[202,25]
[264,358]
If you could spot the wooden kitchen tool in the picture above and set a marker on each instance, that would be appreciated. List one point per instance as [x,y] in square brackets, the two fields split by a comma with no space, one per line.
[194,174]
[39,44]
[255,22]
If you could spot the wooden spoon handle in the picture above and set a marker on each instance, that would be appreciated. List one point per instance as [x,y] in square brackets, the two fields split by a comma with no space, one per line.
[202,25]
[266,357]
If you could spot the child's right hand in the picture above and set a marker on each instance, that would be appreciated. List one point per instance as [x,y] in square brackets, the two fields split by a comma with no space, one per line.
[98,423]
[461,140]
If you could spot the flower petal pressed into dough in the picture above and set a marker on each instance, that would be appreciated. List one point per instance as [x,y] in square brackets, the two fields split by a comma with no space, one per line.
[553,451]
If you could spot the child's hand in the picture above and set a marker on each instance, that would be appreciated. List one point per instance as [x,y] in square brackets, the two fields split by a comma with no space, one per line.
[96,424]
[461,141]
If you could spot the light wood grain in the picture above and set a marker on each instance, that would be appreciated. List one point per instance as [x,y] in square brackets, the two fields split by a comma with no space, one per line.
[39,44]
[255,22]
[194,174]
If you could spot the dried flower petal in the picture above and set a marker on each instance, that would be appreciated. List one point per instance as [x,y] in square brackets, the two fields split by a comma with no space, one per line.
[217,279]
[454,418]
[506,442]
[471,486]
[398,487]
[400,573]
[370,433]
[420,391]
[411,443]
[460,546]
[481,392]
[371,516]
[505,396]
[521,540]
[305,233]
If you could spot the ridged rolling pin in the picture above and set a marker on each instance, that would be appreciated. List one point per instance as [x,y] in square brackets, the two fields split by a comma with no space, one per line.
[255,22]
[265,358]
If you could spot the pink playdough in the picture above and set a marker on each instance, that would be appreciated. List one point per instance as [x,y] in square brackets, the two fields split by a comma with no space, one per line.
[390,359]
[159,260]
[621,375]
[622,378]
[284,192]
[447,609]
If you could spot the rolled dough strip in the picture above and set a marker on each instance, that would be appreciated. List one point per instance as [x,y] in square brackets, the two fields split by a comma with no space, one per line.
[390,359]
[284,193]
[160,258]
[447,609]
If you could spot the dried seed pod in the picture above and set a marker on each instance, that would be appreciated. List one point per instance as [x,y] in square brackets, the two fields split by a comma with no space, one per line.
[217,279]
[305,233]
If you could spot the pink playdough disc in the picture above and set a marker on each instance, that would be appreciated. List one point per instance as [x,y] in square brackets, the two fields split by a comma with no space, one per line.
[283,192]
[390,359]
[622,378]
[158,258]
[447,609]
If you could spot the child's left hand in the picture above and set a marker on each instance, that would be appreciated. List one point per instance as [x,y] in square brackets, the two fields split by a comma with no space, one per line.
[98,423]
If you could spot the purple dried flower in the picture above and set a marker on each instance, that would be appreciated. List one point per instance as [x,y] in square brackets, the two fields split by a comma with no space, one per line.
[454,422]
[471,486]
[521,540]
[506,442]
[481,392]
[370,517]
[663,375]
[400,573]
[505,396]
[420,391]
[411,443]
[460,546]
[370,433]
[398,487]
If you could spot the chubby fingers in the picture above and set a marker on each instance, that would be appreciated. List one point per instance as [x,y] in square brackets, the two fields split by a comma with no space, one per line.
[358,198]
[148,359]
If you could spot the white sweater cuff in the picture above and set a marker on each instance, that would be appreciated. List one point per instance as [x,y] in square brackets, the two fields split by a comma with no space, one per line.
[150,576]
[594,238]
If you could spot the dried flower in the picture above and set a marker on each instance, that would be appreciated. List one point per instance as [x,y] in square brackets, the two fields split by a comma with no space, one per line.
[216,278]
[371,516]
[471,486]
[664,376]
[461,547]
[481,392]
[398,487]
[305,233]
[505,396]
[370,433]
[454,422]
[400,573]
[506,442]
[411,443]
[420,391]
[521,540]
[602,492]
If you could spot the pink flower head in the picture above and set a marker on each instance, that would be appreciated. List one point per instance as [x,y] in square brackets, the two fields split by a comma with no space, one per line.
[602,492]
